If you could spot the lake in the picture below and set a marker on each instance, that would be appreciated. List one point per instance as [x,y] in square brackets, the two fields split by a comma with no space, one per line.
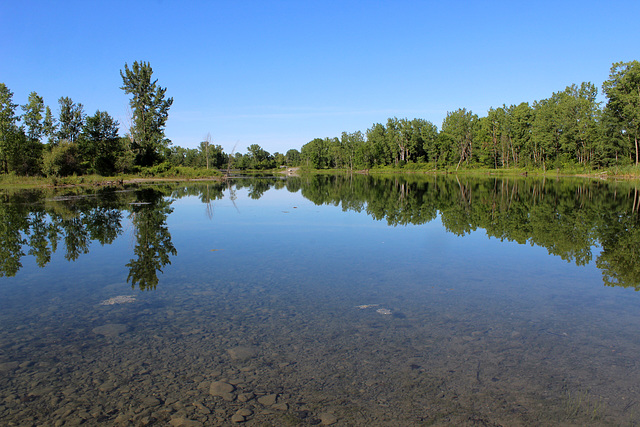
[322,300]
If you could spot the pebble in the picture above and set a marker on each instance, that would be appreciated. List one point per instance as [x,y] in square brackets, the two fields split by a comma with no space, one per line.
[327,419]
[245,397]
[268,400]
[237,418]
[242,353]
[202,408]
[222,389]
[184,422]
[149,402]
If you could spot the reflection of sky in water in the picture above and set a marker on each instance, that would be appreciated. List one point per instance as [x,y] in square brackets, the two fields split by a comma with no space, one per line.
[284,229]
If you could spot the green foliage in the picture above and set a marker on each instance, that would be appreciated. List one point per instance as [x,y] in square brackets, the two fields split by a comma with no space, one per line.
[150,112]
[8,127]
[62,160]
[460,127]
[49,126]
[100,145]
[71,120]
[293,157]
[623,106]
[568,130]
[258,158]
[33,118]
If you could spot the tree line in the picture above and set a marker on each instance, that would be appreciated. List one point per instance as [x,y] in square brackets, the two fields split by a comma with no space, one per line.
[37,142]
[570,128]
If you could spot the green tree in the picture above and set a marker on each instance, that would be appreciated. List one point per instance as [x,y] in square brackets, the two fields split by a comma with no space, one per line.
[62,160]
[32,117]
[460,125]
[623,105]
[71,120]
[316,153]
[8,127]
[292,157]
[258,158]
[49,126]
[489,134]
[150,112]
[351,143]
[100,144]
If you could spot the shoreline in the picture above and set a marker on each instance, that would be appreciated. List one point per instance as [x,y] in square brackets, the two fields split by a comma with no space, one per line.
[16,182]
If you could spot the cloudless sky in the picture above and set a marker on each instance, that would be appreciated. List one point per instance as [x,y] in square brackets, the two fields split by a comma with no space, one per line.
[280,73]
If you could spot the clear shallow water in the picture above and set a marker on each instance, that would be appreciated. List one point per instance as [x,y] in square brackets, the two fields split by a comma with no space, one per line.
[260,290]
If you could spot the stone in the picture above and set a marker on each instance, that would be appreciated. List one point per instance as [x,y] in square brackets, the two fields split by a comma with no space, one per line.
[8,366]
[245,412]
[245,397]
[184,422]
[201,408]
[222,389]
[281,406]
[237,418]
[149,402]
[242,353]
[327,419]
[268,400]
[218,388]
[110,329]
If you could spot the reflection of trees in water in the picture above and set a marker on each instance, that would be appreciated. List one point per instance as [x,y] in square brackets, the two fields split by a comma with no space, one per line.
[567,217]
[76,221]
[153,241]
[42,223]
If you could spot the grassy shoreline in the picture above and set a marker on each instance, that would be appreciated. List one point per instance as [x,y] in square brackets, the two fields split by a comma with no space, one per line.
[11,181]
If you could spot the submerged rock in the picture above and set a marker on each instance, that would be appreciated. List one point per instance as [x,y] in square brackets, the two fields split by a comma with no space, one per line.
[222,389]
[328,419]
[268,400]
[8,366]
[110,329]
[120,299]
[242,353]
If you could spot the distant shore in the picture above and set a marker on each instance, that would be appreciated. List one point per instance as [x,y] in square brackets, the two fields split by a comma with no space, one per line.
[18,182]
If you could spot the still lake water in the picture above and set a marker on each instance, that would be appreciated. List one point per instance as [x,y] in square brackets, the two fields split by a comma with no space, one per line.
[322,300]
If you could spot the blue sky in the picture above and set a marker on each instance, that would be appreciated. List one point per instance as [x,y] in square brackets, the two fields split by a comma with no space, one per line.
[280,73]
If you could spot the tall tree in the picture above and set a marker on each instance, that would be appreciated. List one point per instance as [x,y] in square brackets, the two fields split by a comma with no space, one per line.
[71,119]
[49,125]
[460,125]
[150,112]
[8,126]
[32,117]
[623,91]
